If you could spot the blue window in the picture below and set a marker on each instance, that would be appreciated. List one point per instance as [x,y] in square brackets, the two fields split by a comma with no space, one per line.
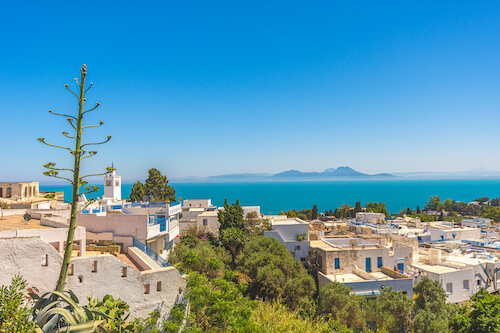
[401,267]
[337,263]
[205,222]
[379,262]
[368,264]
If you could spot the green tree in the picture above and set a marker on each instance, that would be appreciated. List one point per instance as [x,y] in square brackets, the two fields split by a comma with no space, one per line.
[138,191]
[482,200]
[434,203]
[231,216]
[441,216]
[255,225]
[275,317]
[376,207]
[430,311]
[418,210]
[274,274]
[156,188]
[232,233]
[198,255]
[394,311]
[13,310]
[482,316]
[493,213]
[218,306]
[314,214]
[358,207]
[335,300]
[79,153]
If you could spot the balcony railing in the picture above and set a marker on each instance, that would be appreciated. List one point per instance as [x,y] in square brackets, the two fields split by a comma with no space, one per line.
[152,254]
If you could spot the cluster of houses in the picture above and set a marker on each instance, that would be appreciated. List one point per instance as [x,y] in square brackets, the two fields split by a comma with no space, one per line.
[121,248]
[370,253]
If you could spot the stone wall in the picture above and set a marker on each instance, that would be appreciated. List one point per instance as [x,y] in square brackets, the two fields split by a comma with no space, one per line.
[39,264]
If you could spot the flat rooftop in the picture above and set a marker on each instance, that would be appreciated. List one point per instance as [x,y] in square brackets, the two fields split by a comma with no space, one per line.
[289,221]
[17,222]
[351,277]
[437,269]
[209,213]
[326,245]
[447,227]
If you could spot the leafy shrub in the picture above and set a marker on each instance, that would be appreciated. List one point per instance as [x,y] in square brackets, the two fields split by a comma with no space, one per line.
[14,312]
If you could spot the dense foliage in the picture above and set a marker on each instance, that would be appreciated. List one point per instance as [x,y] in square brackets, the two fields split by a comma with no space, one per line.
[14,311]
[156,188]
[274,274]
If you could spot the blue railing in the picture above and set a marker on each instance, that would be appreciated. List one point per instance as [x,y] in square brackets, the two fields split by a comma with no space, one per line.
[152,254]
[154,220]
[93,211]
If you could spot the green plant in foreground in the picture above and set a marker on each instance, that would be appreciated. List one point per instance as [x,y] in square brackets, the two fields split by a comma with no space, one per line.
[61,312]
[115,321]
[13,310]
[79,153]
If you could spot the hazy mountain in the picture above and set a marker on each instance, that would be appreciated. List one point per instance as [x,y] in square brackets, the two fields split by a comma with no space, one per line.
[342,172]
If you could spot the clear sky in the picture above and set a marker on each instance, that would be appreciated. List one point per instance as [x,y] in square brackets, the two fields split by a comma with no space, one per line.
[212,87]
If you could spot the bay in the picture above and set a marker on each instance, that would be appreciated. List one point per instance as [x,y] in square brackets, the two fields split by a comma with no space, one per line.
[274,197]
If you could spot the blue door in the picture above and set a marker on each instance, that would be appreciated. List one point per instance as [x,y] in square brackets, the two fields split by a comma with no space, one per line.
[401,267]
[368,264]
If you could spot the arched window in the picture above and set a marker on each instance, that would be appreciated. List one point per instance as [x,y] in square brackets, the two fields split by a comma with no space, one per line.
[9,192]
[25,191]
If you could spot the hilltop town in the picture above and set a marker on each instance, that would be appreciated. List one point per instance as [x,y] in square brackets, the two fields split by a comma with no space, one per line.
[124,248]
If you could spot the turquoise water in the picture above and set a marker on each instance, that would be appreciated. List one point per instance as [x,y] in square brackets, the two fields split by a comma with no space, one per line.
[277,196]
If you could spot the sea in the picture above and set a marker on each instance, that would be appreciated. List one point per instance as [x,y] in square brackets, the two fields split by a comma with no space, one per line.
[276,196]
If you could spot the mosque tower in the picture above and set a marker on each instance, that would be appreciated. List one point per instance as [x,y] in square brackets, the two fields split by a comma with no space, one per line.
[113,186]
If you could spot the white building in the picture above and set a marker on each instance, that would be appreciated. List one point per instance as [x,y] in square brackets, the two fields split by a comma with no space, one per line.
[294,234]
[367,265]
[460,275]
[191,209]
[154,224]
[444,231]
[476,223]
[34,250]
[113,186]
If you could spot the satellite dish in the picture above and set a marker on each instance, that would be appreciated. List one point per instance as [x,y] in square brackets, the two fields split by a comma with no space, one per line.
[145,197]
[353,243]
[27,217]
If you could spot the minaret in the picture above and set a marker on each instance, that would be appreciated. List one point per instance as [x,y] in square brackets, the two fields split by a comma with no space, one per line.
[113,185]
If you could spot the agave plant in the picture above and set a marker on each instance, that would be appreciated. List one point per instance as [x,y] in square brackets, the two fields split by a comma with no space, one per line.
[58,311]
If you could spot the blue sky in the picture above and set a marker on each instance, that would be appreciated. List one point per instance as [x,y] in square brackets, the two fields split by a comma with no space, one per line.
[206,88]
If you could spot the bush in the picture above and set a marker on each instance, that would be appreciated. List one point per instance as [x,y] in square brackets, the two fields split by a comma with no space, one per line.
[14,313]
[202,257]
[275,317]
[274,274]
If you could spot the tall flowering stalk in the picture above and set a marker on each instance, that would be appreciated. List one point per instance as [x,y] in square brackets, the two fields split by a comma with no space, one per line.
[79,153]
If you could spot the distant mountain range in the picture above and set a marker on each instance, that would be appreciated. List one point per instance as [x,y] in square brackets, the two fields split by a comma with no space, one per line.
[343,172]
[332,173]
